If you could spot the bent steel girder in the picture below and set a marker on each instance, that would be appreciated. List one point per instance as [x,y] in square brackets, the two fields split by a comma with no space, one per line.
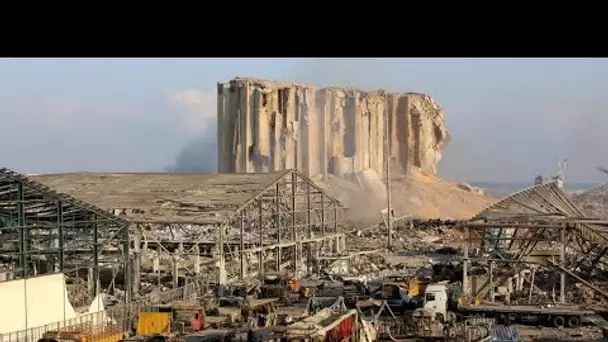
[44,232]
[544,205]
[591,258]
[540,201]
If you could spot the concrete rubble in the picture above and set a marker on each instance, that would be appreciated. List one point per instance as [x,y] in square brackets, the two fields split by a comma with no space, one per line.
[424,251]
[594,201]
[425,238]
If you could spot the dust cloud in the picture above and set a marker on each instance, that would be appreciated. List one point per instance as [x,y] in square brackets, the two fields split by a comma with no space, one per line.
[196,110]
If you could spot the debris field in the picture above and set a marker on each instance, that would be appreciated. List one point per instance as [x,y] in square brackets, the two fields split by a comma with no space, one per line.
[295,238]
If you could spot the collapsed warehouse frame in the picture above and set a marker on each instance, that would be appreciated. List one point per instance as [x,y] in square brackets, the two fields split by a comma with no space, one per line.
[272,223]
[533,228]
[46,232]
[223,226]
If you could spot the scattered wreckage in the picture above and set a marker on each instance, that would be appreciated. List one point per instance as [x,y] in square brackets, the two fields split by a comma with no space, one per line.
[450,281]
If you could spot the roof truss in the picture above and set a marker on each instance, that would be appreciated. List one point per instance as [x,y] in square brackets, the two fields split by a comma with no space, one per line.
[538,219]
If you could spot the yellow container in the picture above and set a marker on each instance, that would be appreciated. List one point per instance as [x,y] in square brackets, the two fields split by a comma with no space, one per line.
[153,323]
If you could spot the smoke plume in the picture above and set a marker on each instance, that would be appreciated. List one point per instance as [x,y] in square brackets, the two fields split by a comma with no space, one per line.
[199,155]
[198,114]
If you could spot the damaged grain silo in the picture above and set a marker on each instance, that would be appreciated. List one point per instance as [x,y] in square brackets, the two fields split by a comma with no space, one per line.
[269,125]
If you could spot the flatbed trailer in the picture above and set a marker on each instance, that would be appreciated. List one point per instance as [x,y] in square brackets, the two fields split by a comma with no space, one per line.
[439,306]
[557,316]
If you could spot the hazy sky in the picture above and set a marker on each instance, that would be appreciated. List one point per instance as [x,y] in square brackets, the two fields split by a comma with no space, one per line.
[510,118]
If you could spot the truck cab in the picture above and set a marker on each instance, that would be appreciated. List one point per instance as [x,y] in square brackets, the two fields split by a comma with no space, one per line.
[435,302]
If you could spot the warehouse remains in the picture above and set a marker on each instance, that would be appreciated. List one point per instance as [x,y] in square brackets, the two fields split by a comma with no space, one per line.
[200,226]
[242,220]
[260,251]
[44,232]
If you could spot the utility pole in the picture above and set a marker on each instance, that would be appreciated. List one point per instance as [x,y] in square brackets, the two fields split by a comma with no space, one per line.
[326,119]
[387,146]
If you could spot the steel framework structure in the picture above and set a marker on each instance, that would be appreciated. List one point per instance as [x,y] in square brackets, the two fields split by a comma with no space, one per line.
[222,225]
[272,228]
[538,225]
[44,232]
[290,215]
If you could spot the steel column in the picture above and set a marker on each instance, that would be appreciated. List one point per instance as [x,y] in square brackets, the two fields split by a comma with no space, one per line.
[261,224]
[126,246]
[277,224]
[242,244]
[61,232]
[95,253]
[562,261]
[322,214]
[22,230]
[308,225]
[294,234]
[465,262]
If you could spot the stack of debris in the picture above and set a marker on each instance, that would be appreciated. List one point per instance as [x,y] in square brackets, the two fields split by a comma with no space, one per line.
[411,236]
[580,294]
[418,194]
[593,201]
[368,264]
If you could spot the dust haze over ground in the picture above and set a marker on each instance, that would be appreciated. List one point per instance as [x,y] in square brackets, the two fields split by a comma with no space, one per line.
[509,119]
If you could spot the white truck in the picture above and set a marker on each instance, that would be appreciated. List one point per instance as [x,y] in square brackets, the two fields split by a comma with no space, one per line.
[438,305]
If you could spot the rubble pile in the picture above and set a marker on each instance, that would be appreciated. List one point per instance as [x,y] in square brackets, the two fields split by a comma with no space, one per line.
[419,236]
[189,232]
[368,264]
[418,194]
[425,196]
[579,294]
[593,201]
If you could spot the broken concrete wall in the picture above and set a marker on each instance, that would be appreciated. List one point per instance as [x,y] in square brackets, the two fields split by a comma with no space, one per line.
[268,125]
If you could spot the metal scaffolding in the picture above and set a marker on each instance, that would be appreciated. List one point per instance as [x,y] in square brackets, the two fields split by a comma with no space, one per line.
[45,232]
[536,226]
[223,225]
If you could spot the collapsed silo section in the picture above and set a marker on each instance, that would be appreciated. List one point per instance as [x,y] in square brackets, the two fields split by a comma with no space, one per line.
[268,125]
[265,126]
